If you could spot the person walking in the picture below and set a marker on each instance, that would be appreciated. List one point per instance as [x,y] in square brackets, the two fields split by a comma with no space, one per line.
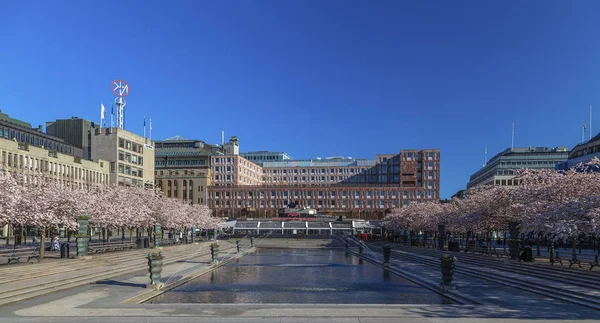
[56,243]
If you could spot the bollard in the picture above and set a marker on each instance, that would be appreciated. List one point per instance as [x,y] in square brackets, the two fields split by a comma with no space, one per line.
[214,252]
[447,266]
[387,252]
[237,245]
[155,262]
[251,242]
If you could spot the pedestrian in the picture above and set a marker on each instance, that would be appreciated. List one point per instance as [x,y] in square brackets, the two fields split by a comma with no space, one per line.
[55,243]
[34,239]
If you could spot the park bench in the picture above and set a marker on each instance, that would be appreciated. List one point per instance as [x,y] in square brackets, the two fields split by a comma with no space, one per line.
[499,254]
[96,247]
[556,259]
[594,263]
[15,254]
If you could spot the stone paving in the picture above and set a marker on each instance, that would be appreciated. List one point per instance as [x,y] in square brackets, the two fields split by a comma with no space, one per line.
[102,301]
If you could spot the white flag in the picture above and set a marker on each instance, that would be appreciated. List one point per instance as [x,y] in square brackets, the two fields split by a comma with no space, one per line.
[102,112]
[150,124]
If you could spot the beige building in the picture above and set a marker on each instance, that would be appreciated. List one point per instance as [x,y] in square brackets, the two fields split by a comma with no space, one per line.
[131,156]
[182,168]
[72,171]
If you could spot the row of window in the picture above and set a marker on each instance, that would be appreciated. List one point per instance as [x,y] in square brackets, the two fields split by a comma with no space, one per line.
[529,163]
[23,137]
[129,170]
[180,162]
[322,194]
[66,171]
[132,146]
[131,158]
[313,203]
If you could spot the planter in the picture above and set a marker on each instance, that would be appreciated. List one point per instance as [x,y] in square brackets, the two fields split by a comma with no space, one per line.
[387,252]
[83,225]
[82,245]
[447,268]
[155,263]
[214,252]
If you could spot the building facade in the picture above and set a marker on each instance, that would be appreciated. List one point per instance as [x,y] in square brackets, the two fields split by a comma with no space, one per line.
[582,153]
[75,131]
[501,169]
[182,168]
[336,185]
[23,133]
[259,157]
[131,157]
[17,157]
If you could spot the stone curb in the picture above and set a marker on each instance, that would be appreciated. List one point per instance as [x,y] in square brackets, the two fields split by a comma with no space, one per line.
[148,295]
[453,295]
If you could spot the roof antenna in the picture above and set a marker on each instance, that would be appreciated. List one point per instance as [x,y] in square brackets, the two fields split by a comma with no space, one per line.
[512,143]
[485,157]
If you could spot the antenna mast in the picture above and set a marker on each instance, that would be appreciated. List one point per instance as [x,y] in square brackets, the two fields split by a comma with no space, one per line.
[485,157]
[120,88]
[512,143]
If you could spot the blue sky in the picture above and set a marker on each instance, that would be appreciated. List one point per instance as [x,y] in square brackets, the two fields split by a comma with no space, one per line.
[314,78]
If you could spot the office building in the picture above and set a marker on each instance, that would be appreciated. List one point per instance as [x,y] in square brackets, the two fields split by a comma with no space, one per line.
[259,157]
[75,131]
[501,169]
[20,157]
[335,185]
[23,133]
[182,168]
[582,153]
[131,156]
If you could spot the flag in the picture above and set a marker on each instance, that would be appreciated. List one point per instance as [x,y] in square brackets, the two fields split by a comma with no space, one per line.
[584,126]
[144,121]
[102,109]
[150,124]
[112,109]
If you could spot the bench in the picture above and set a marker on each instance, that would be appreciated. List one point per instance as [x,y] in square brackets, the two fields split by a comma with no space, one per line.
[96,247]
[499,254]
[594,263]
[556,258]
[15,254]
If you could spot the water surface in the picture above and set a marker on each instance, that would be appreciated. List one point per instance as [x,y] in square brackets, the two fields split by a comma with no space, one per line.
[301,276]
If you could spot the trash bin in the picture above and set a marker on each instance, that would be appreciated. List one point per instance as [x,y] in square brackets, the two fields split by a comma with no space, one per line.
[146,243]
[64,250]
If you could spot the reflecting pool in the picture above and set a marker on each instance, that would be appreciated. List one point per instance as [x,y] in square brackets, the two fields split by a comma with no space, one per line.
[301,276]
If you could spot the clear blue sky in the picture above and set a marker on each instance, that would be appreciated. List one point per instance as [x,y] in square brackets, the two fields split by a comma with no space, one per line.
[314,78]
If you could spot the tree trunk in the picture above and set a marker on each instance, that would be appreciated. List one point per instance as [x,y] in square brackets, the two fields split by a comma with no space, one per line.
[123,235]
[130,236]
[42,242]
[574,249]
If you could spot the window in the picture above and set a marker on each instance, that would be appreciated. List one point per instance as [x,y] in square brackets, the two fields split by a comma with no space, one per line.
[121,155]
[121,143]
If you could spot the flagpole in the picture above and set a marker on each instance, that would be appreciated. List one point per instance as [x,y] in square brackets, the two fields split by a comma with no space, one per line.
[112,114]
[144,129]
[591,132]
[151,131]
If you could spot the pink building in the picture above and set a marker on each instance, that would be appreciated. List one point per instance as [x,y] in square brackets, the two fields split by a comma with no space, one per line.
[336,185]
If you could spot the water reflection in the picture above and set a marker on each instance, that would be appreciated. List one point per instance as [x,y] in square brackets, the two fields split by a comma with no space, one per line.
[301,276]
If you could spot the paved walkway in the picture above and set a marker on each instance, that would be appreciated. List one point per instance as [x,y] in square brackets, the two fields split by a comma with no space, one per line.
[103,300]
